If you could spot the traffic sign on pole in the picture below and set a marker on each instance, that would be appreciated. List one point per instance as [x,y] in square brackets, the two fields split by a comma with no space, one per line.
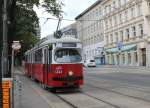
[16,45]
[119,45]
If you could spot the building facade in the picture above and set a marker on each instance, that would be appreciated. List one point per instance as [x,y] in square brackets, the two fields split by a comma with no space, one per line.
[126,32]
[90,31]
[70,30]
[121,27]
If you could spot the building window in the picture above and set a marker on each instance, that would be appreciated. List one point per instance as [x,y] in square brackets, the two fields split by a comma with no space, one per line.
[127,34]
[96,12]
[132,12]
[139,10]
[114,5]
[149,6]
[115,20]
[121,36]
[105,9]
[107,40]
[106,25]
[134,31]
[111,38]
[141,29]
[110,8]
[125,1]
[110,22]
[126,15]
[120,18]
[100,12]
[117,40]
[119,3]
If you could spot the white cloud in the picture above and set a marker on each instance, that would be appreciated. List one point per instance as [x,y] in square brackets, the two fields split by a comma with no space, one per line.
[71,9]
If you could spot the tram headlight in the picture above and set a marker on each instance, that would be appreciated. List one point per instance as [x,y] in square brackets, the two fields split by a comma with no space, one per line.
[70,73]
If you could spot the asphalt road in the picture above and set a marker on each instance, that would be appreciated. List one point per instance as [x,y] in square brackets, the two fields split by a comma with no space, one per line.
[105,87]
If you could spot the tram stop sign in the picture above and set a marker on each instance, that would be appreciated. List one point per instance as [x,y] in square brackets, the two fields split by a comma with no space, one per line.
[16,45]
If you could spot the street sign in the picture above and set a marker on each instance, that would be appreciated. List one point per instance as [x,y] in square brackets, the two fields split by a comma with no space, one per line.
[119,45]
[16,45]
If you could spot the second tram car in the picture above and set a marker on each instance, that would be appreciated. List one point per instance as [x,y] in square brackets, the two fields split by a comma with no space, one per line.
[56,63]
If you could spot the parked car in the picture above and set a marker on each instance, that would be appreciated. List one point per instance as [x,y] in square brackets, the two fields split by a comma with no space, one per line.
[90,63]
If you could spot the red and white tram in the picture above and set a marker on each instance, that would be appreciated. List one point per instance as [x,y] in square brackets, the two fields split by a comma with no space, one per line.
[56,63]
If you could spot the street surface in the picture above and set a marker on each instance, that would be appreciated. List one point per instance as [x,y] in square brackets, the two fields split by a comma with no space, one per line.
[105,87]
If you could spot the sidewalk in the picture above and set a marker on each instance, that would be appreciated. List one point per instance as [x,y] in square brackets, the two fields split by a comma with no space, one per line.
[118,66]
[122,69]
[25,95]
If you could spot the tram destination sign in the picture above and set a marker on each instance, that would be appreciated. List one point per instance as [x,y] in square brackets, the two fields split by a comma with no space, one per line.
[69,45]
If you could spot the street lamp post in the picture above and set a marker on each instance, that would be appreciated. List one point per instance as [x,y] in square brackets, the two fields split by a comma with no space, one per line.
[1,93]
[1,21]
[5,47]
[4,54]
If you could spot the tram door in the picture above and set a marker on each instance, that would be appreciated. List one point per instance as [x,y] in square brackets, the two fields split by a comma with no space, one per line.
[46,66]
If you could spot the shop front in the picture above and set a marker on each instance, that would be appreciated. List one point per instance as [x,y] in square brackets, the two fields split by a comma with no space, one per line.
[126,56]
[100,60]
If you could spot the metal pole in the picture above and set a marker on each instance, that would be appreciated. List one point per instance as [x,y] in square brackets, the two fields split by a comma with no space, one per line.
[1,91]
[12,73]
[5,47]
[1,33]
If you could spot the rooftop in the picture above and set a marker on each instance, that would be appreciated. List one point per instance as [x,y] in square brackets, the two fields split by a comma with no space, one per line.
[88,9]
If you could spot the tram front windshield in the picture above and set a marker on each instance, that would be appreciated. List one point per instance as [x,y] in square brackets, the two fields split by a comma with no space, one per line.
[67,56]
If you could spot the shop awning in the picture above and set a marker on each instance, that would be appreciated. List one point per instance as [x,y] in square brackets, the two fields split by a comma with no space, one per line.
[129,47]
[124,48]
[112,50]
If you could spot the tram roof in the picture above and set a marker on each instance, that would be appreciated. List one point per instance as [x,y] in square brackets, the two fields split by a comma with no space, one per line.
[66,39]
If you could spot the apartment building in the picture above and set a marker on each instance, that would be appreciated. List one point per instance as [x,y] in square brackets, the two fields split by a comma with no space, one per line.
[121,27]
[127,32]
[70,30]
[90,31]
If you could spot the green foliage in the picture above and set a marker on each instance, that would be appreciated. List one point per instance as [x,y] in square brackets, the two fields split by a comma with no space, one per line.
[24,20]
[52,6]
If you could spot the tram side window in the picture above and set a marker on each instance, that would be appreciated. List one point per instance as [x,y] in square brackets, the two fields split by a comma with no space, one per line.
[38,56]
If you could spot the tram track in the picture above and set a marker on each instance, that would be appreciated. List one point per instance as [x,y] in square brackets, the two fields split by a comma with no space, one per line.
[135,87]
[37,88]
[115,106]
[119,93]
[74,106]
[66,101]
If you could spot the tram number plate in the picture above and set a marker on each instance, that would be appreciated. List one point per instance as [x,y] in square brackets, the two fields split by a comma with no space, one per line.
[70,83]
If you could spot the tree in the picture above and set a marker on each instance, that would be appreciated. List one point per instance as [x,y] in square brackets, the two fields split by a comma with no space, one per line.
[23,20]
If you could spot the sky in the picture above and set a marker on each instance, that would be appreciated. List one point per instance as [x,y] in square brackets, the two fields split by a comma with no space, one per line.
[72,8]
